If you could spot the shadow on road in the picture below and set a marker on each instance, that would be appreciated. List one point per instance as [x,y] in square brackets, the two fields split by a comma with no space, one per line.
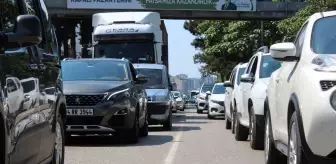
[175,128]
[111,141]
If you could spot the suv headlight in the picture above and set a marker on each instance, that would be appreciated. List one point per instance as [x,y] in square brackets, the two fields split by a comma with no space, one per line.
[121,93]
[324,63]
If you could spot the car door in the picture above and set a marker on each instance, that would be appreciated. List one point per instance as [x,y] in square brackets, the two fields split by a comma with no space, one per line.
[245,87]
[229,93]
[18,64]
[283,87]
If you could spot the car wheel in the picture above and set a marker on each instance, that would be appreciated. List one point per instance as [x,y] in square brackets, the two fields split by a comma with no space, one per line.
[241,132]
[233,118]
[168,125]
[227,123]
[58,156]
[256,132]
[144,129]
[133,134]
[295,153]
[272,155]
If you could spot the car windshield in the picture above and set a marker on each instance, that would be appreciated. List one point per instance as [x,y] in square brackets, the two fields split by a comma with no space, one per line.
[206,88]
[193,94]
[95,70]
[28,86]
[218,89]
[240,73]
[324,36]
[49,91]
[268,66]
[136,52]
[156,78]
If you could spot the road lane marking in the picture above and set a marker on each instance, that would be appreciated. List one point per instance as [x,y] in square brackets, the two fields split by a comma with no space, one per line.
[173,150]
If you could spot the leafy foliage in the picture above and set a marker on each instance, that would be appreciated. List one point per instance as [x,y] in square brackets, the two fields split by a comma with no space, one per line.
[223,44]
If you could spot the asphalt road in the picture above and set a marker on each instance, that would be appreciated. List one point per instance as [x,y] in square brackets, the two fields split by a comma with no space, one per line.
[193,140]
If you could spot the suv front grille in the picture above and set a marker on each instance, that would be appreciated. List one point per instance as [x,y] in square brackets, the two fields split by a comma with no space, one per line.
[326,85]
[83,100]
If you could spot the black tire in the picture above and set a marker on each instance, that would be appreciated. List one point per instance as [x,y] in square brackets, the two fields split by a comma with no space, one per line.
[233,121]
[144,129]
[241,132]
[294,129]
[168,125]
[199,111]
[209,116]
[256,132]
[272,154]
[59,130]
[227,123]
[132,136]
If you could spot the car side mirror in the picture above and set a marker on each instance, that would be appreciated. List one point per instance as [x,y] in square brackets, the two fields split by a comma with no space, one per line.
[228,84]
[283,51]
[27,33]
[247,78]
[141,79]
[208,92]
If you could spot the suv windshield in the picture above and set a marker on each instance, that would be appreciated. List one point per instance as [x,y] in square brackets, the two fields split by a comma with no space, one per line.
[240,73]
[155,78]
[136,52]
[218,89]
[324,36]
[268,66]
[206,88]
[96,70]
[28,86]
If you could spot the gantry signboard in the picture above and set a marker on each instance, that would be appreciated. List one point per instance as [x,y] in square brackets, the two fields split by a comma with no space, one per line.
[219,5]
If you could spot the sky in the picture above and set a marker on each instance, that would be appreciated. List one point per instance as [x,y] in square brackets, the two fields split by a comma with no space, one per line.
[180,50]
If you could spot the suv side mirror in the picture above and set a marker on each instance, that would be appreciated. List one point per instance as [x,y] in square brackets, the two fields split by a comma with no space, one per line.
[27,33]
[283,51]
[247,78]
[228,84]
[208,92]
[141,79]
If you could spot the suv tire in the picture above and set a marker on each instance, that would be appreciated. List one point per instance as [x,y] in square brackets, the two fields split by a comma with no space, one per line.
[133,134]
[227,123]
[256,132]
[241,132]
[272,154]
[144,129]
[168,125]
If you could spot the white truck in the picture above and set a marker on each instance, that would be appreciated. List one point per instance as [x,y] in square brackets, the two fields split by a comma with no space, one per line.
[140,37]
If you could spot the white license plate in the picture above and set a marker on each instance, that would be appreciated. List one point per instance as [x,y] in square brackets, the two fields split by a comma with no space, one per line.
[79,112]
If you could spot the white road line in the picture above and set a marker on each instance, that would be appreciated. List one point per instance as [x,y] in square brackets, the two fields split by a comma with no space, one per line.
[173,150]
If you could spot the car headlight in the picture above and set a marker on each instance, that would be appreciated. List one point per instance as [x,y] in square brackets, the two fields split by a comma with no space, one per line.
[333,100]
[161,98]
[324,63]
[121,93]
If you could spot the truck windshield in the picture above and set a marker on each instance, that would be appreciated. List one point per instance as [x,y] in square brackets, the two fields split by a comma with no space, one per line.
[136,52]
[156,79]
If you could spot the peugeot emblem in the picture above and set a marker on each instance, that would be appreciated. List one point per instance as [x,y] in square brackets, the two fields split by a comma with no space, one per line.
[77,100]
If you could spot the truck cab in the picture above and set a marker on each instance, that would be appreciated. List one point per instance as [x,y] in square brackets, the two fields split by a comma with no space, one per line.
[140,37]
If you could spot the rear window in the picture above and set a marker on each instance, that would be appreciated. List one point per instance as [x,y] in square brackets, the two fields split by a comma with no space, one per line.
[324,36]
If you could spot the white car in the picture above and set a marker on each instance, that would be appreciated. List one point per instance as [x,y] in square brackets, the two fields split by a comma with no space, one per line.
[180,104]
[250,119]
[233,95]
[174,105]
[14,93]
[216,101]
[301,116]
[202,98]
[31,92]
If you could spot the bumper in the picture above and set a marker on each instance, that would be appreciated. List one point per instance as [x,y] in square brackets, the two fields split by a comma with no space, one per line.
[105,119]
[158,112]
[216,109]
[202,105]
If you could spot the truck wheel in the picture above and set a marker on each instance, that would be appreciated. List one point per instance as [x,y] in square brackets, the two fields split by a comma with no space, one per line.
[241,132]
[168,125]
[256,132]
[144,129]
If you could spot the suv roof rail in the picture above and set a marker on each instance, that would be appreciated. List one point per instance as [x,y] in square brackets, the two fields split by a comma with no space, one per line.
[263,49]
